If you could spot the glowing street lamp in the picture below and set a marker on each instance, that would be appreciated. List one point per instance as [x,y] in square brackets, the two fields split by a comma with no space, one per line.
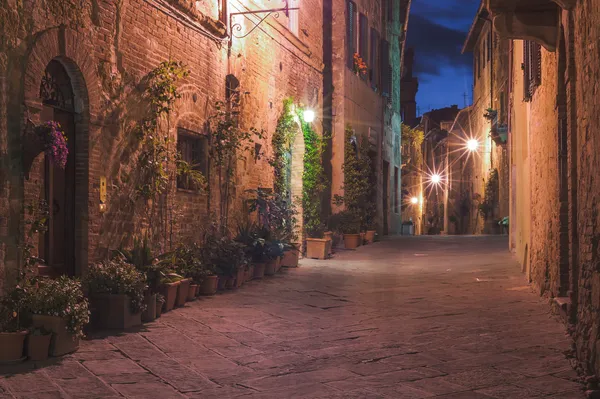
[472,145]
[435,178]
[308,115]
[414,200]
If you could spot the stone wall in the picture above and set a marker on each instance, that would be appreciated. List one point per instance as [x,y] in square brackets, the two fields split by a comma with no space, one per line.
[107,61]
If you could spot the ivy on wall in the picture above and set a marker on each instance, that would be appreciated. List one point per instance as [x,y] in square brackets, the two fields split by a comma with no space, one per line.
[313,180]
[490,199]
[282,140]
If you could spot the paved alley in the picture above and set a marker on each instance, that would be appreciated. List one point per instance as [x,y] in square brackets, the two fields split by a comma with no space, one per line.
[412,317]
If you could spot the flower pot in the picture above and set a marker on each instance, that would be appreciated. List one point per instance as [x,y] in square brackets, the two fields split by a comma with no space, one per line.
[271,267]
[38,346]
[259,270]
[149,314]
[249,272]
[62,341]
[209,285]
[192,292]
[11,346]
[290,258]
[317,248]
[159,307]
[352,241]
[370,236]
[169,291]
[113,312]
[229,283]
[182,291]
[240,276]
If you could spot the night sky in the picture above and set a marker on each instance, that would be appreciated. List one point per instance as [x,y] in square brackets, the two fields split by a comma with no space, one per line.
[437,30]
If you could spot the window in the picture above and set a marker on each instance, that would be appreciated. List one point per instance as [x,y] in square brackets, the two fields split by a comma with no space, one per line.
[396,190]
[193,149]
[373,61]
[351,32]
[293,20]
[363,38]
[532,67]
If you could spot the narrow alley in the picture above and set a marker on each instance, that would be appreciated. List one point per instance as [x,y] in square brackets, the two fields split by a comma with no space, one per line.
[409,317]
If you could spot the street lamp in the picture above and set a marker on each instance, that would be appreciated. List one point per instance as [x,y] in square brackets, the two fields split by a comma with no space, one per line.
[472,145]
[308,115]
[414,200]
[435,178]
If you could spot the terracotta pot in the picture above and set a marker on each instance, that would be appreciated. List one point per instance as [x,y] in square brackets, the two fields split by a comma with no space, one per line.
[191,296]
[113,311]
[352,241]
[62,341]
[11,346]
[240,276]
[290,258]
[259,270]
[229,283]
[317,248]
[209,286]
[370,236]
[159,307]
[271,267]
[169,291]
[328,235]
[183,291]
[250,272]
[149,314]
[38,346]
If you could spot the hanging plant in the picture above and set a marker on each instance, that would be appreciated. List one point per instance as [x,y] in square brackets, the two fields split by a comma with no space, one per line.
[360,66]
[54,141]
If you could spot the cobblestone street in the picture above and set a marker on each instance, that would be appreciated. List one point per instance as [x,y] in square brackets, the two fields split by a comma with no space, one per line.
[416,317]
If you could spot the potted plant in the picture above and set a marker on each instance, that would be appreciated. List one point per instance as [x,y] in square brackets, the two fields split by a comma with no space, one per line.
[317,247]
[38,343]
[168,288]
[252,237]
[58,305]
[160,301]
[12,335]
[187,262]
[273,253]
[116,290]
[350,227]
[291,255]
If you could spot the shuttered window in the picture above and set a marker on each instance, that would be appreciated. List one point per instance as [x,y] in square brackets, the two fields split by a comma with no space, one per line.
[193,149]
[386,69]
[351,32]
[363,39]
[532,68]
[374,59]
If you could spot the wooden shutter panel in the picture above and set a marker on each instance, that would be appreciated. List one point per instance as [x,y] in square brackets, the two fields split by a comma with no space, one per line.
[526,62]
[386,69]
[374,67]
[537,64]
[364,37]
[350,35]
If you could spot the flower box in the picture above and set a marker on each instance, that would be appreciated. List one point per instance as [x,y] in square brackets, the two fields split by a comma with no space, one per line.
[38,346]
[209,285]
[317,248]
[290,258]
[182,291]
[62,341]
[352,241]
[169,291]
[149,314]
[11,346]
[113,311]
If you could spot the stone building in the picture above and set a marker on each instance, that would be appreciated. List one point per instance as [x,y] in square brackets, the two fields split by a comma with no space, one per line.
[550,102]
[86,65]
[368,103]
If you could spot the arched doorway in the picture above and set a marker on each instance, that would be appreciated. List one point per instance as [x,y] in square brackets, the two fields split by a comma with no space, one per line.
[57,245]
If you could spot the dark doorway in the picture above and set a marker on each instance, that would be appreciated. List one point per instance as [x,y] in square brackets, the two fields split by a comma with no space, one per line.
[57,247]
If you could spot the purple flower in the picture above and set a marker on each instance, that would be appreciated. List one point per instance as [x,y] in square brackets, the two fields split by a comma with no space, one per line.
[55,142]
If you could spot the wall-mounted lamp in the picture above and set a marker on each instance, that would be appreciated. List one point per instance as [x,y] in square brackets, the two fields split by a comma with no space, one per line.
[308,115]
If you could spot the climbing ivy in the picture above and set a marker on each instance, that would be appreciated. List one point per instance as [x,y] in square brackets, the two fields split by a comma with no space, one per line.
[314,181]
[282,143]
[490,199]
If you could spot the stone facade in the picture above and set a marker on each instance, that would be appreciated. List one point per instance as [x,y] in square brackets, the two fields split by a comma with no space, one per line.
[104,62]
[552,91]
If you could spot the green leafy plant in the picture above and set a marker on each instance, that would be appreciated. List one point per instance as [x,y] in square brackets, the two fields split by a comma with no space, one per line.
[490,199]
[116,276]
[62,297]
[283,137]
[222,254]
[314,181]
[348,222]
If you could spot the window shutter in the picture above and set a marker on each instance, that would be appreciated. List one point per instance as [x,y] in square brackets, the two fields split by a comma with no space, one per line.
[386,69]
[537,77]
[374,67]
[526,63]
[350,28]
[364,37]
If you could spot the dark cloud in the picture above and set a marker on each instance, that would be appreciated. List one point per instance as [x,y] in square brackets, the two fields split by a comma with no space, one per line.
[452,11]
[436,46]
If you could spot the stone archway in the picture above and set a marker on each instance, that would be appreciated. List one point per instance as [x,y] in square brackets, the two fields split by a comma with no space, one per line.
[61,54]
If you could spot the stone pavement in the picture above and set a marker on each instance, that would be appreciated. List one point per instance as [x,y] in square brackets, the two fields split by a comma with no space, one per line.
[412,317]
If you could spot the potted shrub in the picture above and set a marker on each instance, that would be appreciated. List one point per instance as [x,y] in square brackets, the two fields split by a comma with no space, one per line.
[160,301]
[168,287]
[116,290]
[350,227]
[38,343]
[182,291]
[291,255]
[370,233]
[273,252]
[12,335]
[58,305]
[252,237]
